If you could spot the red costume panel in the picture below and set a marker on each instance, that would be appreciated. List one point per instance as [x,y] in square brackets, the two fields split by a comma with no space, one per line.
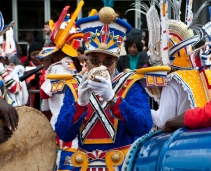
[198,117]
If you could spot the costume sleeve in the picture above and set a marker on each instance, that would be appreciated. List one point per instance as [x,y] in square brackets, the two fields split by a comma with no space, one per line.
[11,84]
[173,101]
[166,108]
[135,110]
[198,117]
[65,127]
[42,80]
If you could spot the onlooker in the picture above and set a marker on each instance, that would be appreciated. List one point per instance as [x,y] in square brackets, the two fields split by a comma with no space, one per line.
[33,81]
[47,31]
[33,52]
[15,59]
[135,58]
[145,43]
[29,37]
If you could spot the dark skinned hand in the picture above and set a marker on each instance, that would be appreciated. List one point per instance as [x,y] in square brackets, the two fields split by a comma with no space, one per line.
[9,114]
[174,123]
[5,133]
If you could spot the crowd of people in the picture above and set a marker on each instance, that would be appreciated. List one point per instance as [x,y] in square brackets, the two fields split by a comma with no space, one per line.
[93,97]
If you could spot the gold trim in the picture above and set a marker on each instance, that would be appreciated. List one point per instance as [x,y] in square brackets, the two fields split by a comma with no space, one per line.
[153,69]
[134,78]
[80,159]
[69,83]
[59,76]
[114,158]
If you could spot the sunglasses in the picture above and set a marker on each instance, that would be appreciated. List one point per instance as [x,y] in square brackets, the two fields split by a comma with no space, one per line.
[97,62]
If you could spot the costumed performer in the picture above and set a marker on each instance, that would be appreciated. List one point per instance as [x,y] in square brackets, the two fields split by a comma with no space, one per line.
[60,57]
[7,112]
[16,93]
[184,88]
[111,111]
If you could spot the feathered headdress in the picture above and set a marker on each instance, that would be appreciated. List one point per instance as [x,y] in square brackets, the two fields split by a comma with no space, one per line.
[8,47]
[4,28]
[170,40]
[65,35]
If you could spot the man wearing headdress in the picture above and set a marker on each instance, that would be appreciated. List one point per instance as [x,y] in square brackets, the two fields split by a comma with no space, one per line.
[184,88]
[59,59]
[106,111]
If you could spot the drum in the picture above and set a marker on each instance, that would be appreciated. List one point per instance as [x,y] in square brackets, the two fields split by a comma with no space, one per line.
[32,146]
[185,149]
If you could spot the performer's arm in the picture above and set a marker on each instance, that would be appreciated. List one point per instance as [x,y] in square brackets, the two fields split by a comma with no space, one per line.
[11,84]
[42,80]
[198,117]
[167,107]
[134,110]
[69,122]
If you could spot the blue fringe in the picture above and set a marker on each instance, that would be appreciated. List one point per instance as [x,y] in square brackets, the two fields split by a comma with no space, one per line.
[65,116]
[108,3]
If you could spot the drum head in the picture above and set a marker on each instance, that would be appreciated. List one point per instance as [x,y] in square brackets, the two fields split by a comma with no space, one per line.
[32,146]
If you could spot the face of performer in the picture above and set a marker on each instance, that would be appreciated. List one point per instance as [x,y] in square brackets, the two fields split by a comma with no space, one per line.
[96,59]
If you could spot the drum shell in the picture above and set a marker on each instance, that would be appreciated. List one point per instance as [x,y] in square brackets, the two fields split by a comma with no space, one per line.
[185,149]
[32,146]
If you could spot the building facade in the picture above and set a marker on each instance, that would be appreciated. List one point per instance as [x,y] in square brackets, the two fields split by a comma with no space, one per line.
[30,15]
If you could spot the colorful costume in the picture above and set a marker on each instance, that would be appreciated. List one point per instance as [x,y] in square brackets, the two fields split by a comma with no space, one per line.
[198,117]
[55,89]
[105,132]
[51,90]
[185,87]
[13,90]
[65,37]
[16,91]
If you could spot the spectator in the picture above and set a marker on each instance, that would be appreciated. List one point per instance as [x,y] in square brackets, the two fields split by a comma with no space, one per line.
[135,58]
[29,37]
[33,81]
[47,31]
[15,59]
[145,43]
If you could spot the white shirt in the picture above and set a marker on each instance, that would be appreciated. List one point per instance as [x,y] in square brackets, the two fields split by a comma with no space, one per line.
[173,101]
[55,102]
